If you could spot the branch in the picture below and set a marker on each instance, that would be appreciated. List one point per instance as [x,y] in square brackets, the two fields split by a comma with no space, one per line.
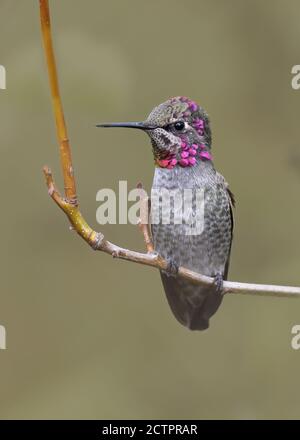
[69,203]
[65,150]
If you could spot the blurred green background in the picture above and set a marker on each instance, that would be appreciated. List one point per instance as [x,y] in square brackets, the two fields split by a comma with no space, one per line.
[89,337]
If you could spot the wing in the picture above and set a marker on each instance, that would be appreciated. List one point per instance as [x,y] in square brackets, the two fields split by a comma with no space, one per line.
[231,199]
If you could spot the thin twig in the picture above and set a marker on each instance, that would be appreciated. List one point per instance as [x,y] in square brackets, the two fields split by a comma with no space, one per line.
[96,240]
[65,149]
[144,219]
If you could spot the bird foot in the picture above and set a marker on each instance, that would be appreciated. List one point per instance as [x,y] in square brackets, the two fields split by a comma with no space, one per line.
[172,267]
[218,282]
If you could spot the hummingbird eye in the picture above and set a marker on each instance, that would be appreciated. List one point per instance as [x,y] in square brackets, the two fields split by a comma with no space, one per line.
[179,125]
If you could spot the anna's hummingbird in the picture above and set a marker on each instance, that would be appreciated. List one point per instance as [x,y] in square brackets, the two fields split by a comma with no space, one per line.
[180,134]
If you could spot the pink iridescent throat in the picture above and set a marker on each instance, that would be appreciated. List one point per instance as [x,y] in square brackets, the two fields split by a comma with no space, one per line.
[188,156]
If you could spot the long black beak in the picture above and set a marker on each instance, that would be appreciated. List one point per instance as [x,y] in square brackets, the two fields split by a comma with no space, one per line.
[139,125]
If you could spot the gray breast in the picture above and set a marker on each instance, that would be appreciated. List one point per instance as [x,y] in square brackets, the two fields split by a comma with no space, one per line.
[207,249]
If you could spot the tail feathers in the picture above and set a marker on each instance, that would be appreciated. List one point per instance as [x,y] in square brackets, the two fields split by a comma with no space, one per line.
[191,305]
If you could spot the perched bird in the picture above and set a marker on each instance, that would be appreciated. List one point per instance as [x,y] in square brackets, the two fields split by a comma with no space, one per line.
[180,134]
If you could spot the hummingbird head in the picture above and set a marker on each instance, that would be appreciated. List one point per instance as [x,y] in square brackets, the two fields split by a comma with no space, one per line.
[179,130]
[182,135]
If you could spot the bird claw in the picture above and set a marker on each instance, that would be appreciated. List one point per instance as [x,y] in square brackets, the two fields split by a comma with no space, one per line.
[218,282]
[172,267]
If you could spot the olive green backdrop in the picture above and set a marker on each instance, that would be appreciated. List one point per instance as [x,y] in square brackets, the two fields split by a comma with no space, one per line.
[91,337]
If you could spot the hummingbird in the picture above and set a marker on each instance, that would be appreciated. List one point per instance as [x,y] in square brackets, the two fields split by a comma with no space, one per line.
[180,134]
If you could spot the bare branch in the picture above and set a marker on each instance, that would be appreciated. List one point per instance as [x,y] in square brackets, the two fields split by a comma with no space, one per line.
[96,240]
[65,149]
[144,219]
